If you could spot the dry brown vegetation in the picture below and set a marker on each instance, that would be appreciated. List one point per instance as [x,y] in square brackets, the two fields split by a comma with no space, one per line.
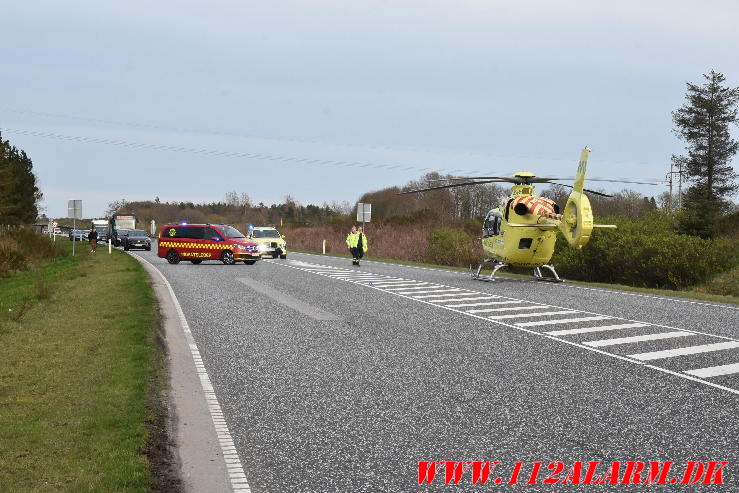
[20,247]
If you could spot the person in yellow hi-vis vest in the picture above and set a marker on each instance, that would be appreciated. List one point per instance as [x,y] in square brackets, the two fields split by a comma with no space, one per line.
[357,243]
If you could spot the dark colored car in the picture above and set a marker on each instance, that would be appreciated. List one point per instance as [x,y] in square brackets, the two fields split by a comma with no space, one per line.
[118,235]
[135,238]
[78,234]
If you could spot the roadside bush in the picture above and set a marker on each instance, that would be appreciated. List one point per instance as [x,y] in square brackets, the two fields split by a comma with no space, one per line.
[451,247]
[20,247]
[646,253]
[11,258]
[724,284]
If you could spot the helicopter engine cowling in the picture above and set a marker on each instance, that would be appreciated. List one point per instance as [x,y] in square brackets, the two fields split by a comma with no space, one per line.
[577,220]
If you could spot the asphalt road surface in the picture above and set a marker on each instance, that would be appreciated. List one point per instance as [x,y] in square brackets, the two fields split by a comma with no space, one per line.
[337,378]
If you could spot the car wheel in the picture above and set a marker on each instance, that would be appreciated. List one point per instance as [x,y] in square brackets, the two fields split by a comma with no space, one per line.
[250,262]
[196,262]
[283,256]
[173,257]
[227,257]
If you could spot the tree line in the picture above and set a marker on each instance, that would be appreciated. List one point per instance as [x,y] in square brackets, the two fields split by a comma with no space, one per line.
[236,209]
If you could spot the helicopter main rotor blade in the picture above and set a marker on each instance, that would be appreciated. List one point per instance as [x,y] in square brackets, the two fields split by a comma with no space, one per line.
[585,189]
[449,186]
[504,179]
[548,179]
[501,178]
[613,180]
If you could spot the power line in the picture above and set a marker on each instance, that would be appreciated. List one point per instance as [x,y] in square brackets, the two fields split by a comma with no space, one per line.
[216,152]
[237,154]
[223,133]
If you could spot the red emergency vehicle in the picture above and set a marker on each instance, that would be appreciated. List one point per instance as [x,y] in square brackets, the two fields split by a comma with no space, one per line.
[198,242]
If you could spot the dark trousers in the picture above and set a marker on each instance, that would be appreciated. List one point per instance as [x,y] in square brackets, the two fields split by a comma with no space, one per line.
[357,252]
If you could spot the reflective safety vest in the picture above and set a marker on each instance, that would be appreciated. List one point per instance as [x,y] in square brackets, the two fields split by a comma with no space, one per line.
[352,240]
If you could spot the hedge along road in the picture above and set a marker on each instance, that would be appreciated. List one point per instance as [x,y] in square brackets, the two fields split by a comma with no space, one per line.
[333,381]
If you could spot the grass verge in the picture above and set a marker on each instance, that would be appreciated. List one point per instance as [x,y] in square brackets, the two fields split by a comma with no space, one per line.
[81,378]
[698,293]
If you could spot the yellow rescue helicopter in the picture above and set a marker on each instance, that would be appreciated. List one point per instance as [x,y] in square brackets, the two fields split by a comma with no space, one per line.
[522,231]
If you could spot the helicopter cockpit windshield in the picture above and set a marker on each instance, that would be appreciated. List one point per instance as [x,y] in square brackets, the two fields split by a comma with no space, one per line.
[491,226]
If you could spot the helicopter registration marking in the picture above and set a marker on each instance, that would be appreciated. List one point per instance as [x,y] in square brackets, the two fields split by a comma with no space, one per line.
[449,298]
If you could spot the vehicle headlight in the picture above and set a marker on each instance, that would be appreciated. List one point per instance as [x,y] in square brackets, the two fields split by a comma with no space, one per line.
[240,247]
[261,247]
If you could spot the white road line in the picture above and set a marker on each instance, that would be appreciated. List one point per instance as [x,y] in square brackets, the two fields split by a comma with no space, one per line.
[350,276]
[509,308]
[542,314]
[655,297]
[714,371]
[486,303]
[562,285]
[562,321]
[414,293]
[400,287]
[434,289]
[448,292]
[487,297]
[671,353]
[629,340]
[588,330]
[395,283]
[408,287]
[235,469]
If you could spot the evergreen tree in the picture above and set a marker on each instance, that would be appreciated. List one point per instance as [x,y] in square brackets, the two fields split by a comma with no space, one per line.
[703,122]
[19,195]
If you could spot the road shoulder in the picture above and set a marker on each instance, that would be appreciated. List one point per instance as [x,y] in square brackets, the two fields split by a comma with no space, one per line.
[201,462]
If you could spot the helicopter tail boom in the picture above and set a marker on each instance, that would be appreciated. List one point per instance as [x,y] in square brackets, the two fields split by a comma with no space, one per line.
[582,168]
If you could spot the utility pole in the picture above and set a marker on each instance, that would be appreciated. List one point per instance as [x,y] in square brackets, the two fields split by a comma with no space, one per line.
[74,210]
[676,163]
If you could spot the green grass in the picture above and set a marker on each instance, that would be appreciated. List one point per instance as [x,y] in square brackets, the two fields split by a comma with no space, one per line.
[723,289]
[726,284]
[76,371]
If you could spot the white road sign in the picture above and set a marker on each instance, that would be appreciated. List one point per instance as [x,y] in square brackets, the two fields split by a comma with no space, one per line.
[74,209]
[364,212]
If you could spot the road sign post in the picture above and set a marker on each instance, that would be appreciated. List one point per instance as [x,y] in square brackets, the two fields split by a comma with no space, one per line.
[364,213]
[74,210]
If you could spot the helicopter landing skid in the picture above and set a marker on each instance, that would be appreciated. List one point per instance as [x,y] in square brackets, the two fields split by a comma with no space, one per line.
[493,264]
[540,277]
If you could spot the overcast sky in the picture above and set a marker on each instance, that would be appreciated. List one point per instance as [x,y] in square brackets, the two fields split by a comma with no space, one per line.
[324,100]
